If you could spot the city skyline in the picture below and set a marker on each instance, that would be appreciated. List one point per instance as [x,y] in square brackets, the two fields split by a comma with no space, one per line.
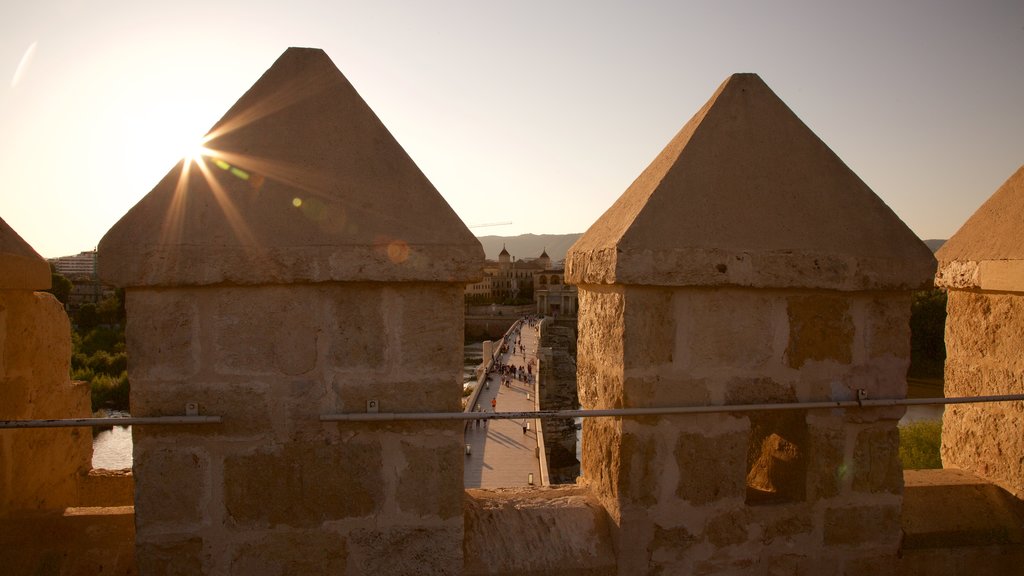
[541,115]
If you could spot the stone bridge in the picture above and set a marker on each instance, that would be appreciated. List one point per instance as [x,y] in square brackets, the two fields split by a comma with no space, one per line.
[321,271]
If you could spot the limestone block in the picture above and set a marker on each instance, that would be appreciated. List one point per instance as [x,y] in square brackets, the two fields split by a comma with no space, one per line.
[177,490]
[888,326]
[292,552]
[670,545]
[711,468]
[303,485]
[265,330]
[820,328]
[602,460]
[39,468]
[758,391]
[857,525]
[429,486]
[649,328]
[556,531]
[172,558]
[355,327]
[163,336]
[789,521]
[600,352]
[424,325]
[724,329]
[665,390]
[245,407]
[728,528]
[876,460]
[639,469]
[412,550]
[827,466]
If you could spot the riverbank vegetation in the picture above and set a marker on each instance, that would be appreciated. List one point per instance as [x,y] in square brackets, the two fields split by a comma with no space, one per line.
[98,346]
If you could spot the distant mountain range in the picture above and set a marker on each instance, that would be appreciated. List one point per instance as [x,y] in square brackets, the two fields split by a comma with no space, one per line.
[530,246]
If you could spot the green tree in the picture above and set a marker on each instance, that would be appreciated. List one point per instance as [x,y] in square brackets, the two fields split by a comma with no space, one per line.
[111,309]
[59,286]
[87,317]
[927,334]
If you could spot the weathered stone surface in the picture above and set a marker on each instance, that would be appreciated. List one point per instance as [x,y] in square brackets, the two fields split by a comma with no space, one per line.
[290,553]
[724,329]
[876,460]
[984,337]
[178,488]
[747,195]
[551,531]
[432,468]
[888,327]
[602,460]
[39,468]
[21,267]
[304,485]
[951,508]
[164,336]
[638,474]
[355,319]
[649,336]
[419,551]
[601,329]
[827,467]
[711,467]
[856,525]
[987,252]
[316,191]
[728,528]
[820,328]
[270,329]
[178,558]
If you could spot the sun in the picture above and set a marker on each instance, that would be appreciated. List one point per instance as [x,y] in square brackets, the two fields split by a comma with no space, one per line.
[197,151]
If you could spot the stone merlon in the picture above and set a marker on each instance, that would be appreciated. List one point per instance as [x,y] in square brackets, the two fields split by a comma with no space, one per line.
[746,195]
[302,183]
[987,252]
[21,267]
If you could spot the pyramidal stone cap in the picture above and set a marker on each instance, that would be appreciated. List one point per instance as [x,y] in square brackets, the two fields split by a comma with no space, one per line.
[746,195]
[987,253]
[302,183]
[21,267]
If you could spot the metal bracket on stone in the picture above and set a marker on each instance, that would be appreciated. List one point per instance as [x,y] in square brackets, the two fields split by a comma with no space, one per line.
[372,407]
[192,409]
[862,395]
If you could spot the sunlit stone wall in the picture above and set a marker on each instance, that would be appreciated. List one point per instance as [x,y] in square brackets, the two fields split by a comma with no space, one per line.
[982,266]
[39,468]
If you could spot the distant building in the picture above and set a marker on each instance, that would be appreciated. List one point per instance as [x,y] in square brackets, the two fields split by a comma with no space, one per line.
[509,278]
[553,296]
[80,269]
[80,265]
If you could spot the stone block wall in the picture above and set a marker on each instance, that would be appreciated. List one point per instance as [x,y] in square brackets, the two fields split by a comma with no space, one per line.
[273,487]
[39,468]
[984,340]
[678,487]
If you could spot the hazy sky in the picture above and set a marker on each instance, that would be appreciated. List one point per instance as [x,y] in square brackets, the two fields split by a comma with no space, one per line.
[538,113]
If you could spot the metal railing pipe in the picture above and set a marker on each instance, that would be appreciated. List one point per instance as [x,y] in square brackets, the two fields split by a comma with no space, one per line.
[618,412]
[91,422]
